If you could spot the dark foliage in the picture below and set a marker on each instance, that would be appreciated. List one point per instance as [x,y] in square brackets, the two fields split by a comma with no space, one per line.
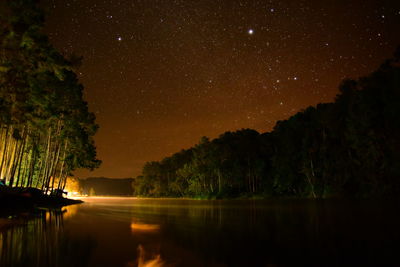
[46,129]
[348,148]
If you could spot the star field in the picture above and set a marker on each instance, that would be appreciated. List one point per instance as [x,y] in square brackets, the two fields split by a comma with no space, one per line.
[159,74]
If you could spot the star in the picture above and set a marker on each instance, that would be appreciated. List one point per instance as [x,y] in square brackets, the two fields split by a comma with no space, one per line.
[166,62]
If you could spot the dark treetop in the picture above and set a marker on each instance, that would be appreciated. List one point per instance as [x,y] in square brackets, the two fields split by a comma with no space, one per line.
[159,74]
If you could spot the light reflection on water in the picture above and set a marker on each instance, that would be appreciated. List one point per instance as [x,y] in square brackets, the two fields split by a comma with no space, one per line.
[39,239]
[170,232]
[144,261]
[144,227]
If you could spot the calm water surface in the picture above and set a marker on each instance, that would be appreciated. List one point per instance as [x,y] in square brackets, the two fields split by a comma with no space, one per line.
[161,232]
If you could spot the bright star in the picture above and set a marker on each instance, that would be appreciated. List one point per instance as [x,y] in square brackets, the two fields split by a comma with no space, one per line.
[251,31]
[119,38]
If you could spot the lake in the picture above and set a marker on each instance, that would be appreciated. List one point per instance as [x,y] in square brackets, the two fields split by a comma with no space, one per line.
[176,232]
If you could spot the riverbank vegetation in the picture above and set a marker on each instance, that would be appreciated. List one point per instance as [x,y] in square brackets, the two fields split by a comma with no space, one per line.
[348,148]
[46,129]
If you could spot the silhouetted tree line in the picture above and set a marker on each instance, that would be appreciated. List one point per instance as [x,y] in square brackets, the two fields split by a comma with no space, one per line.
[348,148]
[101,186]
[46,130]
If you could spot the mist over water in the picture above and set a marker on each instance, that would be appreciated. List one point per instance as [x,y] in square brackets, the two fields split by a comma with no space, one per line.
[173,232]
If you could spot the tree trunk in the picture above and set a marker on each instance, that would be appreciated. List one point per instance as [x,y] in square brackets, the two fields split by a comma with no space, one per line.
[309,179]
[3,155]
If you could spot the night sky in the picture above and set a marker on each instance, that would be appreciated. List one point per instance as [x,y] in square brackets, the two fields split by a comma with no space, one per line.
[160,74]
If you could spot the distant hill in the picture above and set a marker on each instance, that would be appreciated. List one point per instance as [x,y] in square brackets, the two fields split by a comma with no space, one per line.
[102,186]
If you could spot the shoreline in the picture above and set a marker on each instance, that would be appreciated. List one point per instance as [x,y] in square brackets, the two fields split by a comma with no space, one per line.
[18,207]
[14,201]
[255,198]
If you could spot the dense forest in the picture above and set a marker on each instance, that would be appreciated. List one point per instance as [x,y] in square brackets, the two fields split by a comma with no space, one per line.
[348,148]
[46,130]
